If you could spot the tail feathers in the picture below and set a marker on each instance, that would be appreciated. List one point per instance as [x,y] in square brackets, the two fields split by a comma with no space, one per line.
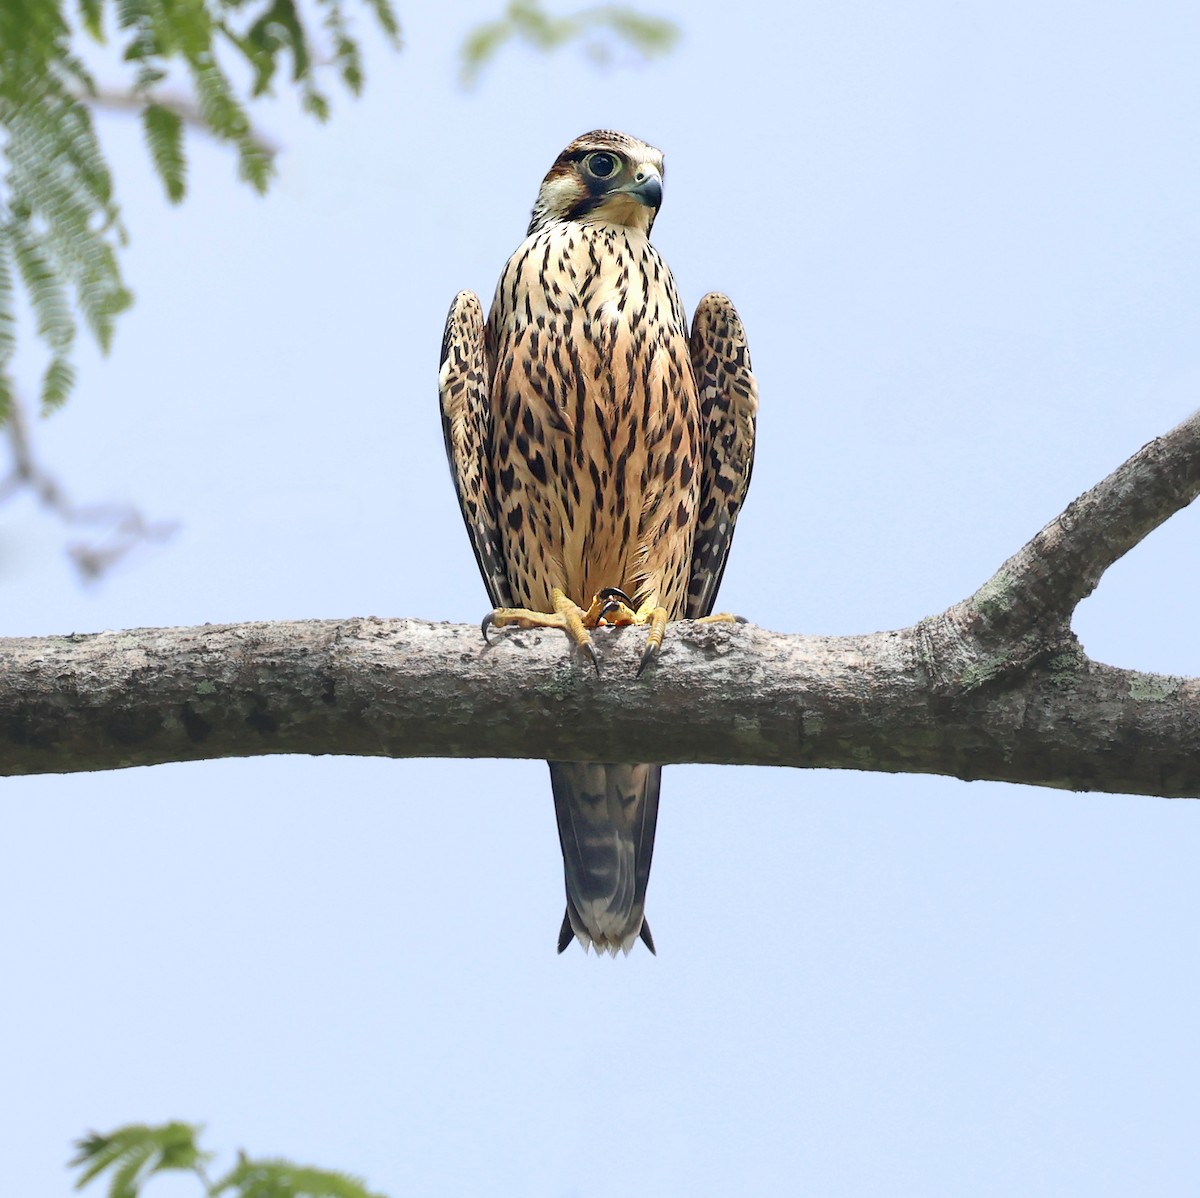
[606,818]
[566,934]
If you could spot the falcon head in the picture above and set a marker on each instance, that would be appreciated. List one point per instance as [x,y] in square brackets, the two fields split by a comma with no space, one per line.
[602,177]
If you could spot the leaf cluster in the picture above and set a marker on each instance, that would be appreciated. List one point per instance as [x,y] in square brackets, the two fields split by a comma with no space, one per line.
[132,1155]
[60,225]
[527,21]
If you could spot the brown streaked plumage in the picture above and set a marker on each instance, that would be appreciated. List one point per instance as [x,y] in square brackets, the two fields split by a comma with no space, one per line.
[595,445]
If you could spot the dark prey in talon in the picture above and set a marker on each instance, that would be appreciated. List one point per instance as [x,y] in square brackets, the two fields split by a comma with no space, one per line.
[614,603]
[611,608]
[614,593]
[601,456]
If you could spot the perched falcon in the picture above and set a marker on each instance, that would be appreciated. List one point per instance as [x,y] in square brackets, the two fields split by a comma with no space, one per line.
[600,457]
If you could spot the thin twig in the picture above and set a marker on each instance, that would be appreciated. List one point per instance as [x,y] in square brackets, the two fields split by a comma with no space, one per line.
[128,100]
[124,526]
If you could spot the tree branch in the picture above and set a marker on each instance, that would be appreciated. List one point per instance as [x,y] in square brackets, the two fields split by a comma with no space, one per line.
[1064,562]
[122,526]
[119,99]
[995,687]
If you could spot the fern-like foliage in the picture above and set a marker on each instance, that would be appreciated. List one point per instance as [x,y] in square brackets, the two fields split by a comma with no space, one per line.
[282,1179]
[131,1155]
[528,21]
[60,227]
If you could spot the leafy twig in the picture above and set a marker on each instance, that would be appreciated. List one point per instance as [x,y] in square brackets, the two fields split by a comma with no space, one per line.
[527,21]
[132,1155]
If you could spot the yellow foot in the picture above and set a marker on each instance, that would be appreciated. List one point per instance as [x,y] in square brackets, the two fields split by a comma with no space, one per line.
[567,615]
[656,617]
[724,617]
[615,608]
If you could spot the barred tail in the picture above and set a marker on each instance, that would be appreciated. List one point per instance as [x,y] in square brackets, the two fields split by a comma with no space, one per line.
[606,817]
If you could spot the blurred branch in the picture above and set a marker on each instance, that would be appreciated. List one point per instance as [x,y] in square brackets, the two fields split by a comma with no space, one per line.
[996,687]
[130,100]
[123,526]
[527,21]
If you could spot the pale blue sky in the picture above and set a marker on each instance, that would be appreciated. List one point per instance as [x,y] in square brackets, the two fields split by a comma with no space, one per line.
[964,241]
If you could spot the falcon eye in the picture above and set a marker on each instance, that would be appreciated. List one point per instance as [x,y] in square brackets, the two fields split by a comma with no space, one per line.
[601,166]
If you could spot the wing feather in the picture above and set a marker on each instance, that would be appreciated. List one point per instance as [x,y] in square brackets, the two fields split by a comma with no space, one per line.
[728,412]
[463,384]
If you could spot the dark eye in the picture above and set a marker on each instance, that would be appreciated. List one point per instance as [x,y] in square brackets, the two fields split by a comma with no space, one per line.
[601,166]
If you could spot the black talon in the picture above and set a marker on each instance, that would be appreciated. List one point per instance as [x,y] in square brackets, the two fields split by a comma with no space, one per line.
[649,653]
[615,593]
[740,620]
[587,646]
[488,621]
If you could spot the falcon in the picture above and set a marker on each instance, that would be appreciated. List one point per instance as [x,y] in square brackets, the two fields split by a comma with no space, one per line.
[600,455]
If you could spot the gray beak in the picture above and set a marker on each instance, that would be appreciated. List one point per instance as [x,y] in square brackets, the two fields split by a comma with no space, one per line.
[648,191]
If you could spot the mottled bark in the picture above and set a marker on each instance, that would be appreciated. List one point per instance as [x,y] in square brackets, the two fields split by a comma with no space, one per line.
[995,687]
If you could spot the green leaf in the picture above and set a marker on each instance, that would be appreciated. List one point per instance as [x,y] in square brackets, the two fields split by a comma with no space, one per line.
[528,21]
[256,165]
[164,137]
[219,108]
[282,1179]
[130,1169]
[315,104]
[347,56]
[481,45]
[46,293]
[8,337]
[650,35]
[7,397]
[283,18]
[92,14]
[147,77]
[57,383]
[386,16]
[133,1154]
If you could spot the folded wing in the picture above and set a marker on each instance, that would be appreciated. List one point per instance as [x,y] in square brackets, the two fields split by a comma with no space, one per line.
[463,383]
[728,412]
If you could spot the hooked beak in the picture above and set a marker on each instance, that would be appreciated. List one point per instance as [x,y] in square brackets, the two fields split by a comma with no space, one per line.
[646,188]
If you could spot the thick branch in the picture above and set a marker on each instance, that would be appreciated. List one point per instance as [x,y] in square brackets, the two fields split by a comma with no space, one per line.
[996,687]
[404,688]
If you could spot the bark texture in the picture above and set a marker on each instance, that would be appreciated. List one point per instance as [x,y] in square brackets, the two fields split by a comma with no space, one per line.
[995,687]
